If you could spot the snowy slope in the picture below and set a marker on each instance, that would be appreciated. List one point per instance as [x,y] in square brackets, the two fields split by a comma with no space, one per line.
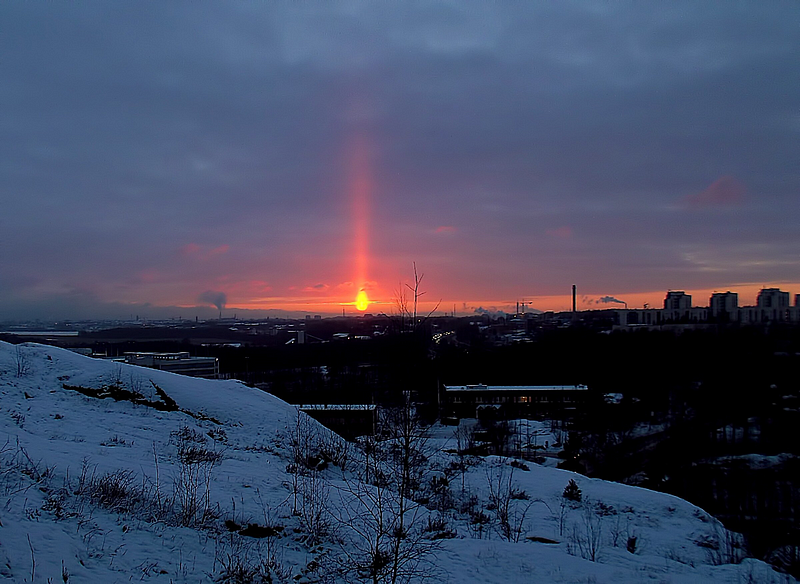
[54,434]
[62,428]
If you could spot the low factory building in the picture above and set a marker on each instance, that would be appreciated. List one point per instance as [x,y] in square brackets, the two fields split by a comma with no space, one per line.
[181,362]
[465,401]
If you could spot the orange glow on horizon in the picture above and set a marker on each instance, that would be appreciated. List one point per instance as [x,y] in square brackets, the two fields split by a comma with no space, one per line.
[331,304]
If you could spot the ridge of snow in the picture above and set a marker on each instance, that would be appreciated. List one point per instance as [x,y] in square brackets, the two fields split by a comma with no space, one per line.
[60,429]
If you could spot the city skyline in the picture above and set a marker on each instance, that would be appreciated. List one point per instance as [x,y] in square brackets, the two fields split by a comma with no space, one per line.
[285,158]
[698,299]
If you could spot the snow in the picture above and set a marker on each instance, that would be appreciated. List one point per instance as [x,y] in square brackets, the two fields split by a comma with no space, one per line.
[52,434]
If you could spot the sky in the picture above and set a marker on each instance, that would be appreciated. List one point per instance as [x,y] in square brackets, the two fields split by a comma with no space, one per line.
[175,159]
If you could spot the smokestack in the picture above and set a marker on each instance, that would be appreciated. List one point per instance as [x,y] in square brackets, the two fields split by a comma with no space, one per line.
[574,298]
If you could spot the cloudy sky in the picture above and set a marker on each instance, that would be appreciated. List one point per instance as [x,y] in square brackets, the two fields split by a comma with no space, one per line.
[285,155]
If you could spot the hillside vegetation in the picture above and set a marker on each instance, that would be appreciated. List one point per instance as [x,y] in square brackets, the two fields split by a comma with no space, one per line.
[115,473]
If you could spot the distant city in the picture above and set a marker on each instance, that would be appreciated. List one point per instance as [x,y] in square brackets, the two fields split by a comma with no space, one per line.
[772,305]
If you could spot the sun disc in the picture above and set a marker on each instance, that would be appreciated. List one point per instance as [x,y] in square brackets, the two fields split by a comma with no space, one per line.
[362,302]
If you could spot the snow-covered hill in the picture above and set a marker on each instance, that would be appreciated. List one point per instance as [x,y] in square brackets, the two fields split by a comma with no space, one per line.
[168,478]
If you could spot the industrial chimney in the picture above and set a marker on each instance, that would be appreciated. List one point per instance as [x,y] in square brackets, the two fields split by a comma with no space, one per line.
[574,298]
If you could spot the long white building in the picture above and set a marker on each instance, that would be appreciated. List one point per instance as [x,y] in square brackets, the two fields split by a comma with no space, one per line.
[772,305]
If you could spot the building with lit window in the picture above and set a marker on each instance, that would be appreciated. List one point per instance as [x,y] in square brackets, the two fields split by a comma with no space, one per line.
[465,401]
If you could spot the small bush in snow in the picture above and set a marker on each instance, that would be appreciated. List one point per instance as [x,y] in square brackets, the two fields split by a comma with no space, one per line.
[586,537]
[519,465]
[115,490]
[438,528]
[604,510]
[192,485]
[243,561]
[19,418]
[218,435]
[572,492]
[519,495]
[23,366]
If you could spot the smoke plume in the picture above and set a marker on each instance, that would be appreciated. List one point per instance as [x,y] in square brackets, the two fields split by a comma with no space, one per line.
[218,299]
[610,299]
[491,311]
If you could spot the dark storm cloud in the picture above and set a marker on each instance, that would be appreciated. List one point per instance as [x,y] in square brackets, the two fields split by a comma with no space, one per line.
[552,139]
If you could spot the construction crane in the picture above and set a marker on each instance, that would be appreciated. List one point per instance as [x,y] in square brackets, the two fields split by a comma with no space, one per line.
[523,303]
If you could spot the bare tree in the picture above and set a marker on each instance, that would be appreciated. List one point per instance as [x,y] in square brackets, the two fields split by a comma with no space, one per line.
[364,515]
[407,440]
[23,366]
[381,533]
[310,453]
[387,540]
[302,439]
[465,441]
[408,305]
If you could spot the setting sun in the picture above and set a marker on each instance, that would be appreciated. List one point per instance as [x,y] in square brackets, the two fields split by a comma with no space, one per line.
[362,302]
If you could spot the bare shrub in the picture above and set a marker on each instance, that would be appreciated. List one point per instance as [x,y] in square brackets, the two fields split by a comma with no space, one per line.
[218,435]
[239,560]
[465,441]
[380,521]
[437,493]
[384,539]
[336,450]
[232,554]
[116,375]
[563,510]
[311,453]
[18,471]
[586,538]
[302,443]
[57,503]
[192,484]
[18,417]
[439,528]
[478,524]
[22,364]
[510,506]
[314,516]
[115,491]
[116,440]
[622,534]
[136,383]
